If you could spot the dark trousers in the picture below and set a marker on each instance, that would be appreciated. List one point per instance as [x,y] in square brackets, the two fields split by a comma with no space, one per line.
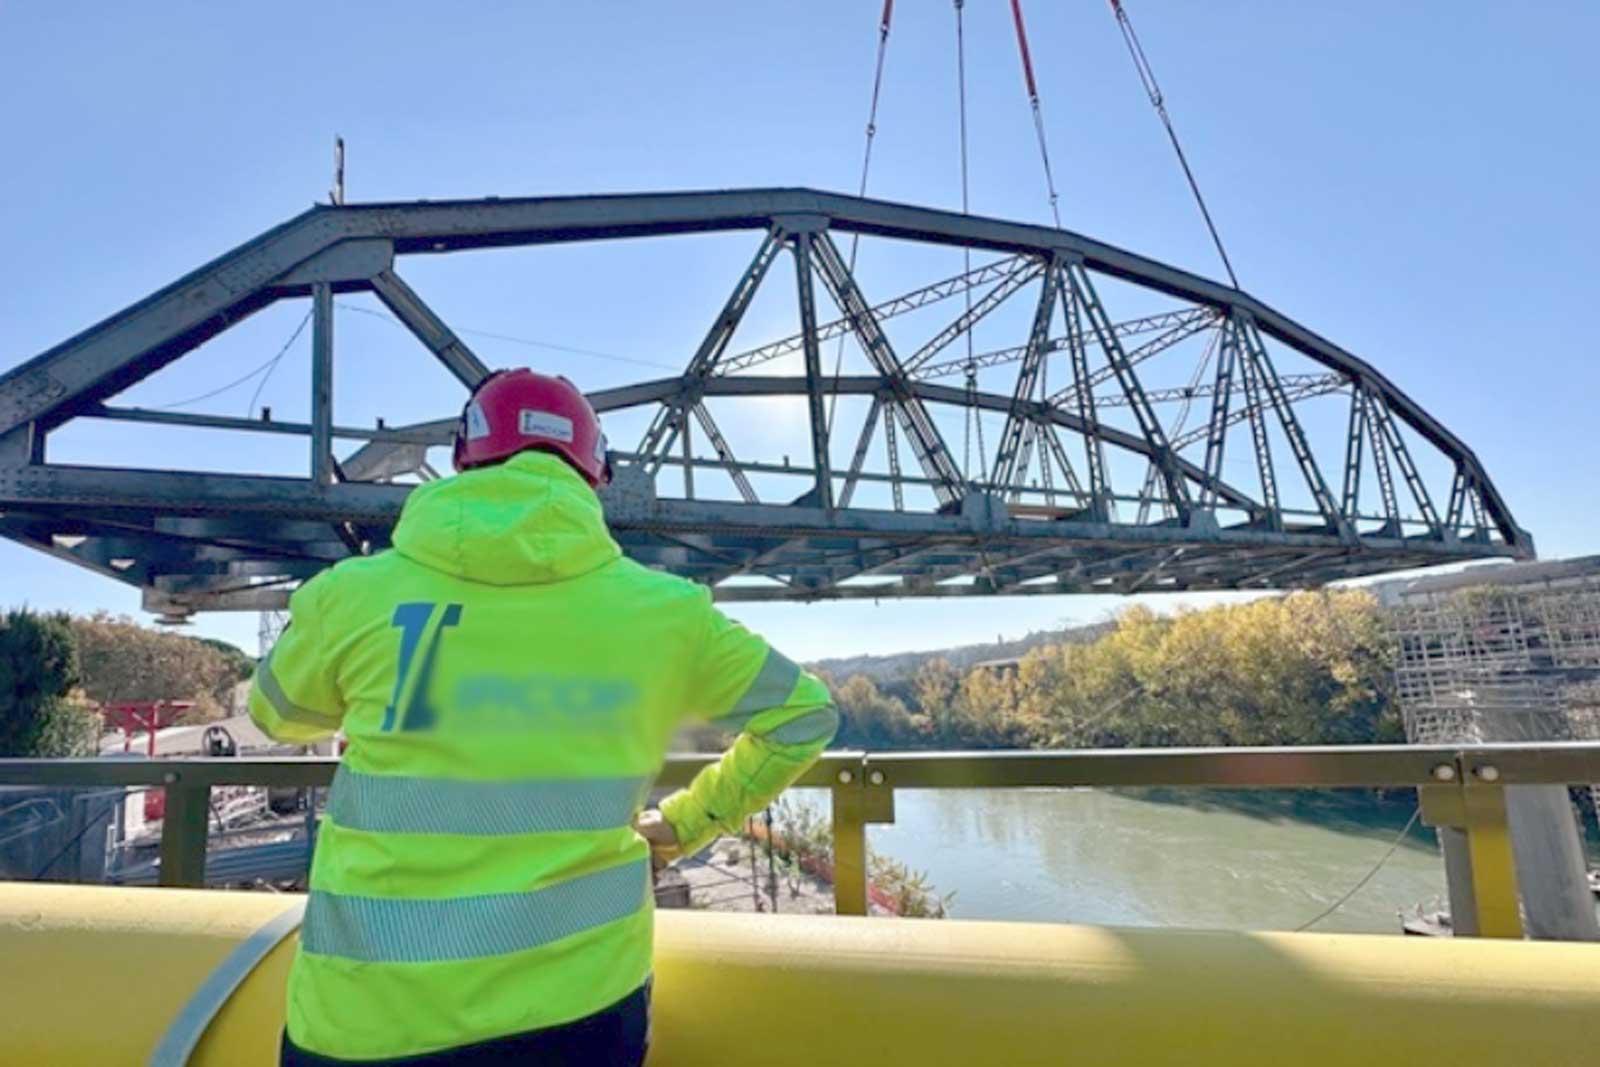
[615,1037]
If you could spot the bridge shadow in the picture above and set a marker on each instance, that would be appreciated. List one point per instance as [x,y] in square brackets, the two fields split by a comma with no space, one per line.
[913,992]
[1275,998]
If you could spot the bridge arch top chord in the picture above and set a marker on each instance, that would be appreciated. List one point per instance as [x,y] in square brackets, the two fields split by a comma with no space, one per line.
[1053,512]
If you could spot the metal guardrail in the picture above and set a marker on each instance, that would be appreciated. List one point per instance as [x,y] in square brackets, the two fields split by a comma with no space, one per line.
[1460,788]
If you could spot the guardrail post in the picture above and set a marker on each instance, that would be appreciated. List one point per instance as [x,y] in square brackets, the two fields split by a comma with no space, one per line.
[849,845]
[861,795]
[183,833]
[1494,869]
[1471,801]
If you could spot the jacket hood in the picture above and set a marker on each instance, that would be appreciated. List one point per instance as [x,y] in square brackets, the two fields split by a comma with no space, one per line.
[528,521]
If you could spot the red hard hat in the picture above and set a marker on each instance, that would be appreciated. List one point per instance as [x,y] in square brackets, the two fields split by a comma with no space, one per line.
[512,411]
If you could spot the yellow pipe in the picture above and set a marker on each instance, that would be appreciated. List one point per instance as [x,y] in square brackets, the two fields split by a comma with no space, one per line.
[93,975]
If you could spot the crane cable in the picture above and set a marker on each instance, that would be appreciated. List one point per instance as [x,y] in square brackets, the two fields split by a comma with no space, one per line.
[269,366]
[973,417]
[866,167]
[1353,890]
[1033,101]
[1147,76]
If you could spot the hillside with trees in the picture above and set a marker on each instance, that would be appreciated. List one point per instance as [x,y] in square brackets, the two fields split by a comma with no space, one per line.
[1309,668]
[900,666]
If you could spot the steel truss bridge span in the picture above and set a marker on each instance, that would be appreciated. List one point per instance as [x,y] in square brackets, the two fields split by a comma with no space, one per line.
[1174,450]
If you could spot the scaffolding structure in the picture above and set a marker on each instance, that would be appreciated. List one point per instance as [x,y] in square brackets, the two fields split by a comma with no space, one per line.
[1507,654]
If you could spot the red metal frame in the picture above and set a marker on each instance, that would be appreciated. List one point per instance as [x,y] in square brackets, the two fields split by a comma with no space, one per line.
[143,715]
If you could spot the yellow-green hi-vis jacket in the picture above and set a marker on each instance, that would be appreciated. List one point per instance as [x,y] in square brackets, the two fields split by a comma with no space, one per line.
[508,683]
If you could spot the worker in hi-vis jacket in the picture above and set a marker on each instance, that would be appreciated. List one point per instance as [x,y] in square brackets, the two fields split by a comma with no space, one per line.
[508,683]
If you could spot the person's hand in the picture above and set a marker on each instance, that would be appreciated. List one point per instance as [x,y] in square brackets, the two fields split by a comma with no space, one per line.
[651,825]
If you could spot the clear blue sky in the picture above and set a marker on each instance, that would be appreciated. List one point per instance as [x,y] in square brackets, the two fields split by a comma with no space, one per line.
[1415,181]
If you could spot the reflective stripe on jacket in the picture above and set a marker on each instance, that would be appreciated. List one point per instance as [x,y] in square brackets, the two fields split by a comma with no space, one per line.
[508,683]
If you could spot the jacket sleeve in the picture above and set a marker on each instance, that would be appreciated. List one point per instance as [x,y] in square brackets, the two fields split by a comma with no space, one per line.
[784,716]
[294,696]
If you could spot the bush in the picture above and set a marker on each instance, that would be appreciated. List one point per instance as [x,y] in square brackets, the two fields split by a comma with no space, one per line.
[908,892]
[803,840]
[72,728]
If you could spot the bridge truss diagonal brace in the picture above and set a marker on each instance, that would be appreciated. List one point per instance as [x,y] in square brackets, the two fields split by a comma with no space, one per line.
[798,233]
[429,328]
[1166,460]
[672,419]
[1008,455]
[926,443]
[719,444]
[1380,463]
[1024,461]
[1187,324]
[858,461]
[1101,505]
[928,294]
[1456,512]
[892,447]
[1052,442]
[1217,427]
[1021,275]
[1351,495]
[1464,490]
[1383,420]
[1296,388]
[1255,351]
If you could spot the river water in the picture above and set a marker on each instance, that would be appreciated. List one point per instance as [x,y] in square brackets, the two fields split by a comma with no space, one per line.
[1268,860]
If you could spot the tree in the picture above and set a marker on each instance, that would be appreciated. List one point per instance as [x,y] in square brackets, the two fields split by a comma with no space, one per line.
[38,669]
[1309,668]
[123,661]
[871,719]
[238,664]
[937,686]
